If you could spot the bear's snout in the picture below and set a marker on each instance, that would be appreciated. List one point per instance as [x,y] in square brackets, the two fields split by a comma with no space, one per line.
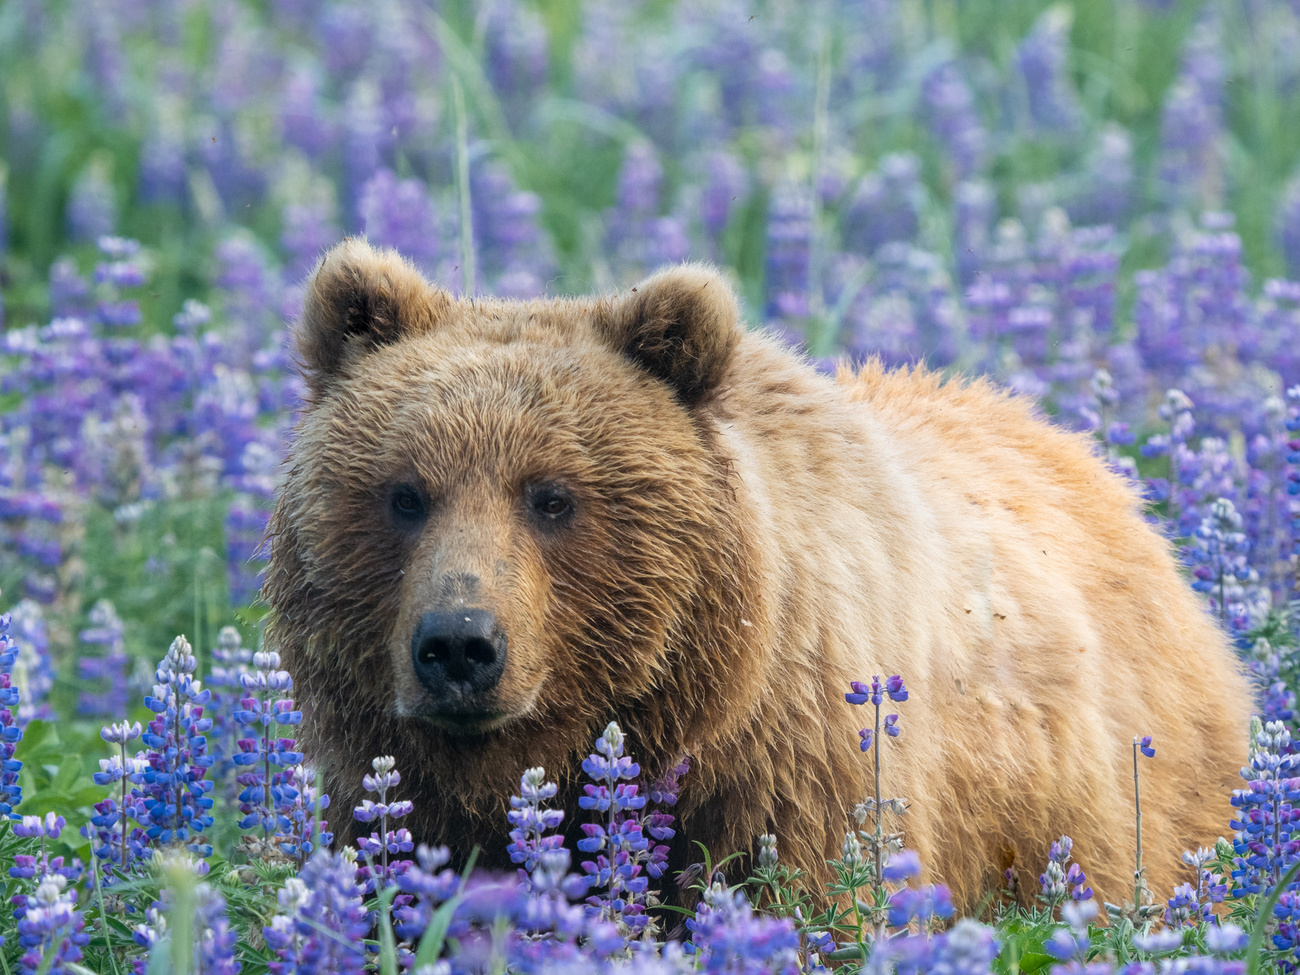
[459,657]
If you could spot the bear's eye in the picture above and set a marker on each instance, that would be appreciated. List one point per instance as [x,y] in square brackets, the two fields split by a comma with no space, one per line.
[550,503]
[406,504]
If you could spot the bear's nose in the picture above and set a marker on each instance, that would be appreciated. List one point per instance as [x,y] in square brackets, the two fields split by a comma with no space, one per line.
[462,652]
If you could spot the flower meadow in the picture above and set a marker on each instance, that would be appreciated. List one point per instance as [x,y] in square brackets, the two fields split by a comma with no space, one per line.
[1097,204]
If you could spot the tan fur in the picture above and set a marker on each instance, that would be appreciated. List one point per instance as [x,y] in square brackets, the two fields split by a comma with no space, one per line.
[750,536]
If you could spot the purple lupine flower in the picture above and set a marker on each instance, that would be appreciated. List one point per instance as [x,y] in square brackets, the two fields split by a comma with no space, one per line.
[120,269]
[322,920]
[51,929]
[876,691]
[1183,907]
[1221,568]
[1293,467]
[230,660]
[11,793]
[1106,187]
[245,523]
[508,238]
[174,792]
[724,189]
[630,230]
[516,56]
[886,206]
[39,866]
[615,875]
[379,871]
[105,630]
[399,213]
[967,948]
[92,205]
[1191,122]
[114,841]
[919,904]
[306,119]
[951,114]
[1176,410]
[162,177]
[531,822]
[974,210]
[68,289]
[1041,59]
[250,296]
[429,883]
[727,935]
[306,828]
[1266,510]
[1265,820]
[307,231]
[31,671]
[214,942]
[265,709]
[789,254]
[1058,881]
[1070,944]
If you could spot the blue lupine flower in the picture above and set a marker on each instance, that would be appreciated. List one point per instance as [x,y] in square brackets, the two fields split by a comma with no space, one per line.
[1059,882]
[379,846]
[50,929]
[214,942]
[1265,815]
[230,662]
[174,792]
[322,920]
[305,828]
[618,875]
[11,792]
[266,758]
[31,669]
[902,865]
[531,821]
[726,935]
[105,630]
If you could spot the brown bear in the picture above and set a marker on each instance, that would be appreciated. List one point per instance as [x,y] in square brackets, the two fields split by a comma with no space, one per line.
[507,523]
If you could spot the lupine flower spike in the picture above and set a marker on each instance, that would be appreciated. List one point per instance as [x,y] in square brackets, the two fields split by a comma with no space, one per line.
[266,758]
[1059,881]
[11,792]
[385,842]
[174,791]
[869,739]
[116,843]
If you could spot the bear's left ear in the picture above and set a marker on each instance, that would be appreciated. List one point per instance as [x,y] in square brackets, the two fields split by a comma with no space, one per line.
[680,325]
[357,299]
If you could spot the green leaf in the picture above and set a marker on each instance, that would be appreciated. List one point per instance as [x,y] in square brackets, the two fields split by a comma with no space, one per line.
[435,935]
[387,943]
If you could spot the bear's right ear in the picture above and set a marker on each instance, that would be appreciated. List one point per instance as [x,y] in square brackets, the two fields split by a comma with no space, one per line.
[680,325]
[358,299]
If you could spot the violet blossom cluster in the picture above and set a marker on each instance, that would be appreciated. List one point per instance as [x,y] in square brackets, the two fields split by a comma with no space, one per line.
[265,759]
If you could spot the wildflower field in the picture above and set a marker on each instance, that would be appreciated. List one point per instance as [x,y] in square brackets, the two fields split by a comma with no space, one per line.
[1097,204]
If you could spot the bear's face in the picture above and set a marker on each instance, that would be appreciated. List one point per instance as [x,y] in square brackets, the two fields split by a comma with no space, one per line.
[500,505]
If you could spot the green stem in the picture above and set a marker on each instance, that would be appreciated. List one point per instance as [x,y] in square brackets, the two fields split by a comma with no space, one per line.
[1137,802]
[122,810]
[103,914]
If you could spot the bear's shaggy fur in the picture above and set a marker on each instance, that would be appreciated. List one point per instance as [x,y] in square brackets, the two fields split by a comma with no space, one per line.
[738,537]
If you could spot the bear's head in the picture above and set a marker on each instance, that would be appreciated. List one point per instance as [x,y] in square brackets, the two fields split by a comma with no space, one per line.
[512,519]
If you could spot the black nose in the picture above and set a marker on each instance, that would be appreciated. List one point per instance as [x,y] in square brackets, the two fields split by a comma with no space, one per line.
[461,652]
